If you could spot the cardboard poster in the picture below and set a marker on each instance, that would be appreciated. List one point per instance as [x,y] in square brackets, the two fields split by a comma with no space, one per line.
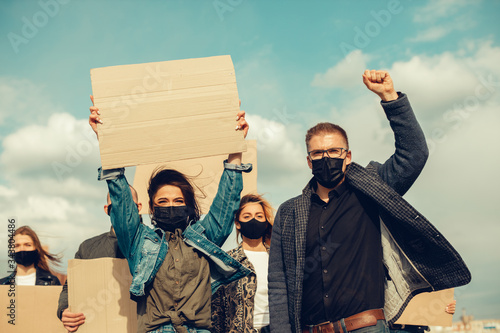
[166,111]
[428,309]
[100,289]
[205,174]
[30,309]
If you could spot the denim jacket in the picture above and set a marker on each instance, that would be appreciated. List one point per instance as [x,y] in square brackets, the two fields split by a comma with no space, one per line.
[145,248]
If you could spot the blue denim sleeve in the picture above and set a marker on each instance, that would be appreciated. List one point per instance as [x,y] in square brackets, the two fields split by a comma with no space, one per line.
[402,169]
[218,223]
[124,215]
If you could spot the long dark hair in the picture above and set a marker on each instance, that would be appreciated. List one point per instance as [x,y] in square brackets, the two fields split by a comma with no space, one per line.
[44,257]
[161,177]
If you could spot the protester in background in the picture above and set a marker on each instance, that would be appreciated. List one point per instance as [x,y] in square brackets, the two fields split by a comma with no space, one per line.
[33,261]
[101,246]
[242,306]
[171,276]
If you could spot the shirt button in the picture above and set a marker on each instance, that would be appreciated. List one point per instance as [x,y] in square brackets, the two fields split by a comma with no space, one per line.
[176,248]
[323,248]
[326,295]
[324,207]
[177,260]
[176,282]
[176,303]
[322,227]
[325,271]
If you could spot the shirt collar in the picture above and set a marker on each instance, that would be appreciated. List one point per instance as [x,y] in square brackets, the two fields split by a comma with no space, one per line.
[335,193]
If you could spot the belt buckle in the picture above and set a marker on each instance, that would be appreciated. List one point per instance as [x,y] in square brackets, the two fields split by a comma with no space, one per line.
[320,328]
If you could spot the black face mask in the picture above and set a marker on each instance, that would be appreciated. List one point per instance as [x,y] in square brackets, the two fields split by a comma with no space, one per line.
[253,229]
[26,258]
[328,171]
[172,217]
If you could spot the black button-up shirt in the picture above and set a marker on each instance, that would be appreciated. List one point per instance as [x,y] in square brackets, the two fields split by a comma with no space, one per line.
[343,272]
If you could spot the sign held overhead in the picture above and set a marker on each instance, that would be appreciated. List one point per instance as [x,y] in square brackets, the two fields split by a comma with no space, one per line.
[166,111]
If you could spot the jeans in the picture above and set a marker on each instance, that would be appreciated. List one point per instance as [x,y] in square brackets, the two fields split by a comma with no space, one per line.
[169,328]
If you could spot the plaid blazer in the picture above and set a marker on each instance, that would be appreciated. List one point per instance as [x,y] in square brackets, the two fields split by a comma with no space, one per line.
[417,256]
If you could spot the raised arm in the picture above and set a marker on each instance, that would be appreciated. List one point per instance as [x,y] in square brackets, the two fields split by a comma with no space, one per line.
[219,221]
[401,169]
[241,125]
[124,214]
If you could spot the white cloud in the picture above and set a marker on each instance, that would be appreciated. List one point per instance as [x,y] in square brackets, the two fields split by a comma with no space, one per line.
[344,74]
[281,156]
[6,192]
[435,10]
[431,34]
[63,147]
[22,102]
[447,82]
[434,33]
[64,204]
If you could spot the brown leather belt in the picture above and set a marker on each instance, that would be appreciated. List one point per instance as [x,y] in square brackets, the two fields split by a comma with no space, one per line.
[354,322]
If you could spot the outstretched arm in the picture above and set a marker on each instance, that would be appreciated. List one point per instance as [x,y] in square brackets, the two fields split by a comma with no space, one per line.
[401,169]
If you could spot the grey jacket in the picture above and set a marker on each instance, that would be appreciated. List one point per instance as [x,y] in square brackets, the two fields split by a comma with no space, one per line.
[417,257]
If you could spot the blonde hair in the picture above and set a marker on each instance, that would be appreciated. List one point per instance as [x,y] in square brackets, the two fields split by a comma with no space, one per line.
[268,212]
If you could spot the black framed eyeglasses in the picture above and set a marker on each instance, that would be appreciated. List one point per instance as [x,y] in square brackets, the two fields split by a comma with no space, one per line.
[330,152]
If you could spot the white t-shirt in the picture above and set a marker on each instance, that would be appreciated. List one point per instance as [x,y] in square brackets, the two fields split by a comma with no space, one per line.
[26,280]
[260,260]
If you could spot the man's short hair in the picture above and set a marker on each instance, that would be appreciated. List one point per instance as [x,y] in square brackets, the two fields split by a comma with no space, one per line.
[326,128]
[135,196]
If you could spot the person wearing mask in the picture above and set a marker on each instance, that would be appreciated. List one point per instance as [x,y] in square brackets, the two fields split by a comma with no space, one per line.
[242,305]
[101,246]
[349,253]
[33,262]
[176,265]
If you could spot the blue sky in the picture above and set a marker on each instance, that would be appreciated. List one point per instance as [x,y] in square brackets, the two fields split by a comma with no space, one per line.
[297,63]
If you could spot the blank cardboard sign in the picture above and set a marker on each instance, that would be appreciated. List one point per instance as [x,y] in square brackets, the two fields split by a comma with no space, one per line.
[30,309]
[205,173]
[428,309]
[166,111]
[100,289]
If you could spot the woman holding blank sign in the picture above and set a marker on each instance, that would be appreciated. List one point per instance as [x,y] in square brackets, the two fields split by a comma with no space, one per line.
[176,265]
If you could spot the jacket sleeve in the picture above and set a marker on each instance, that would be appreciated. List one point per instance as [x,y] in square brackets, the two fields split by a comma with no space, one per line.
[63,303]
[218,311]
[124,215]
[63,300]
[218,223]
[278,297]
[402,169]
